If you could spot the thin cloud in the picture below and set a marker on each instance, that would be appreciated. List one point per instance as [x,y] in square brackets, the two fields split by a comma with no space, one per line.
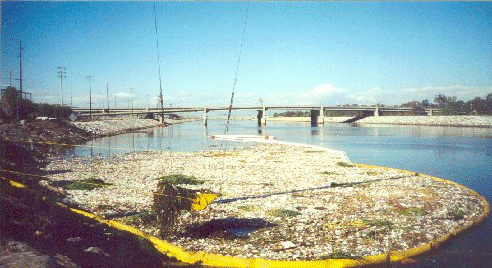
[322,91]
[371,96]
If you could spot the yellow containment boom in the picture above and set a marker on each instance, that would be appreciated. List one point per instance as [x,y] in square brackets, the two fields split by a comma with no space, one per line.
[201,201]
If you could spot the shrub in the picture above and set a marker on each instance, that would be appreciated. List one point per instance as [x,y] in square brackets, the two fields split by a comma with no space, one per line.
[181,179]
[282,213]
[53,111]
[87,184]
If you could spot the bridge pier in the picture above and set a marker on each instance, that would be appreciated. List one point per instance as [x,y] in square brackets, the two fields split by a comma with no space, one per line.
[376,112]
[321,118]
[205,116]
[430,112]
[261,117]
[314,118]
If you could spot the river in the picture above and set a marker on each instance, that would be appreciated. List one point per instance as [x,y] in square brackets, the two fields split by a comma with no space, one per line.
[463,155]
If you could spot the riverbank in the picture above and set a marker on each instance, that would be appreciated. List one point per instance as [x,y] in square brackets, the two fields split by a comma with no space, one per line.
[109,127]
[448,120]
[302,202]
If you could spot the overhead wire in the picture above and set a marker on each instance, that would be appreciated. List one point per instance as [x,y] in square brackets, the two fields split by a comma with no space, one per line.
[161,96]
[235,76]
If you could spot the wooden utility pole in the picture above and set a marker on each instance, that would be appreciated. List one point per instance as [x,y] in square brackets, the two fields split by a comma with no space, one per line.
[107,95]
[20,67]
[90,96]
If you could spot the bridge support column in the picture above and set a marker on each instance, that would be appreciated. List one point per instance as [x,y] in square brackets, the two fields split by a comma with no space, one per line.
[314,118]
[376,112]
[321,118]
[205,116]
[263,121]
[260,118]
[430,112]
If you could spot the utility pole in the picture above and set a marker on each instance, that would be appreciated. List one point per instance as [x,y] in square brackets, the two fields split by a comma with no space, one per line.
[61,75]
[71,95]
[20,67]
[19,98]
[131,96]
[90,96]
[107,95]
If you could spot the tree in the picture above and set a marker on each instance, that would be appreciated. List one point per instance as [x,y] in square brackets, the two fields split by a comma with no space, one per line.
[13,106]
[425,103]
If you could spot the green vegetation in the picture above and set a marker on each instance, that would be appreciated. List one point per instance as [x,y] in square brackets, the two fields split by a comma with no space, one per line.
[248,208]
[142,218]
[457,214]
[379,223]
[415,211]
[344,164]
[339,254]
[453,106]
[86,184]
[328,173]
[282,213]
[293,114]
[372,172]
[14,107]
[181,179]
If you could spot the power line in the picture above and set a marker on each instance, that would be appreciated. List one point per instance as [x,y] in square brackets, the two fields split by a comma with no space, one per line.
[237,69]
[161,97]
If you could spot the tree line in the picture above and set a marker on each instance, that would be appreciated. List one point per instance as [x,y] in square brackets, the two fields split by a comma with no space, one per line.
[14,108]
[447,105]
[453,106]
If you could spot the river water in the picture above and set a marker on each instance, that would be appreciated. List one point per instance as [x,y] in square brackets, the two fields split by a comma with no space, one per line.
[463,155]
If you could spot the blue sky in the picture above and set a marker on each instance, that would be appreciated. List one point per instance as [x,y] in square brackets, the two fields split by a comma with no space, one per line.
[319,53]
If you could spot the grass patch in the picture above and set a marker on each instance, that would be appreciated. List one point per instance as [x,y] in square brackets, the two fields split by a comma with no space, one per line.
[144,217]
[457,214]
[379,223]
[339,254]
[344,164]
[328,173]
[181,179]
[372,172]
[248,208]
[86,184]
[377,235]
[282,213]
[410,211]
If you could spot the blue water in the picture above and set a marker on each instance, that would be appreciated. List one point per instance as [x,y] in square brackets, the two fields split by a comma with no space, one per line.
[463,155]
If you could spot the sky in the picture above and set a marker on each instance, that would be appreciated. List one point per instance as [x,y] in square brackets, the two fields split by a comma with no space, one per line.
[292,53]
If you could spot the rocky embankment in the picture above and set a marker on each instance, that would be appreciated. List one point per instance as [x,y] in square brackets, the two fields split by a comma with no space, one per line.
[279,201]
[116,126]
[451,120]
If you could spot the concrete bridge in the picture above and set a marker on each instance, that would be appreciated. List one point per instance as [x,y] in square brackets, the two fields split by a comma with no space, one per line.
[317,112]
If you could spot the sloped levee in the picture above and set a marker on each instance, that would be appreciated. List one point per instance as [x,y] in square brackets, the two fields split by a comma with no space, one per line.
[358,117]
[215,260]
